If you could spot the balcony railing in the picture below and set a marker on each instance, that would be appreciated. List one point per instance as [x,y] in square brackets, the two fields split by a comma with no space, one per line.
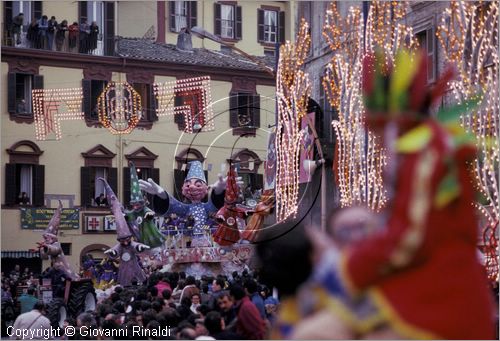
[95,48]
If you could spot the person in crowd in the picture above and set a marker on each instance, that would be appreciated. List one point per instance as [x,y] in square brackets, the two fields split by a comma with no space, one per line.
[73,36]
[93,36]
[62,28]
[17,28]
[34,321]
[163,285]
[217,329]
[23,199]
[195,303]
[190,288]
[32,34]
[101,200]
[251,289]
[249,324]
[27,300]
[84,36]
[43,26]
[51,30]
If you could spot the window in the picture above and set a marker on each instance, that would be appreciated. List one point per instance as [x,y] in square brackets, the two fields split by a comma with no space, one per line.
[98,164]
[271,25]
[103,13]
[182,15]
[147,101]
[427,41]
[244,111]
[247,164]
[66,248]
[92,89]
[269,53]
[228,21]
[192,120]
[328,112]
[19,93]
[24,174]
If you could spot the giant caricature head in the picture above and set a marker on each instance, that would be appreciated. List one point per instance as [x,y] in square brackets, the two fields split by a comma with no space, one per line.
[195,186]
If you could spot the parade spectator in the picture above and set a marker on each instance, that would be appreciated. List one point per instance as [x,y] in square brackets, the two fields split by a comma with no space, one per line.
[93,36]
[17,28]
[101,200]
[163,285]
[216,327]
[34,321]
[32,35]
[23,199]
[251,289]
[43,26]
[73,35]
[249,324]
[62,28]
[225,303]
[84,36]
[190,288]
[27,300]
[195,303]
[51,30]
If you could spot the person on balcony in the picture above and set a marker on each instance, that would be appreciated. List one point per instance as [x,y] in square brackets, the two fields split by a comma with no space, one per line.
[32,34]
[74,31]
[51,30]
[62,28]
[43,26]
[17,27]
[84,36]
[93,35]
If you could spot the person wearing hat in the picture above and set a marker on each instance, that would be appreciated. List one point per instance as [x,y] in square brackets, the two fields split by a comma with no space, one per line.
[50,247]
[140,218]
[126,249]
[194,189]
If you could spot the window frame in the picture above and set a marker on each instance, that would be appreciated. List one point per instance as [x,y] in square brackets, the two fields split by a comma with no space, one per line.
[18,158]
[261,26]
[191,15]
[237,21]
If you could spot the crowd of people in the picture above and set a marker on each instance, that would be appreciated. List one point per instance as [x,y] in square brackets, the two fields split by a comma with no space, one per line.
[190,308]
[45,33]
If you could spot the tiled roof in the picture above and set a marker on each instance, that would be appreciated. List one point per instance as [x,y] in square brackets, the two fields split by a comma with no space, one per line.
[149,50]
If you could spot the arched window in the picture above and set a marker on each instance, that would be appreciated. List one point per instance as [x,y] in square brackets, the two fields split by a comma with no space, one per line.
[24,174]
[247,164]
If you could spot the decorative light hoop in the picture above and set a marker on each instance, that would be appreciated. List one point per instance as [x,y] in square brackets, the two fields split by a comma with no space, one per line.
[119,108]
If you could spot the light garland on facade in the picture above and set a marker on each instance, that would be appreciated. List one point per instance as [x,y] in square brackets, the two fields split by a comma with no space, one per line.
[51,106]
[468,33]
[360,158]
[199,110]
[119,107]
[293,89]
[360,155]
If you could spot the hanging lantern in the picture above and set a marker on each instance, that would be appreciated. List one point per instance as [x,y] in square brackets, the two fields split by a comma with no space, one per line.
[119,107]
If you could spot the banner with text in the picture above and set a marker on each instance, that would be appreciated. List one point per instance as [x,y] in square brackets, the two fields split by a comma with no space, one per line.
[38,218]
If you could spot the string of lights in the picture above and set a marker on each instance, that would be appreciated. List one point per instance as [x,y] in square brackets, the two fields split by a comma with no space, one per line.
[468,34]
[361,157]
[197,102]
[48,113]
[293,89]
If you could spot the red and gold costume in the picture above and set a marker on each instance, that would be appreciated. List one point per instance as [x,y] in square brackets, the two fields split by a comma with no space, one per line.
[422,272]
[228,233]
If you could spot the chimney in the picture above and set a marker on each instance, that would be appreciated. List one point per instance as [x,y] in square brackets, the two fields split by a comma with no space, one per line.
[184,42]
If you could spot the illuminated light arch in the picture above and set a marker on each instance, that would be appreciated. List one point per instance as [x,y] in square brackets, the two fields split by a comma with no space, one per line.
[51,106]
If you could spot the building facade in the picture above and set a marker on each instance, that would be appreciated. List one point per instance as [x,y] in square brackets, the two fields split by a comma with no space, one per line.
[137,43]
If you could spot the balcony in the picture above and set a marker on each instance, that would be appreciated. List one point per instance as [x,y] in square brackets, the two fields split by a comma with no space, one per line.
[96,47]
